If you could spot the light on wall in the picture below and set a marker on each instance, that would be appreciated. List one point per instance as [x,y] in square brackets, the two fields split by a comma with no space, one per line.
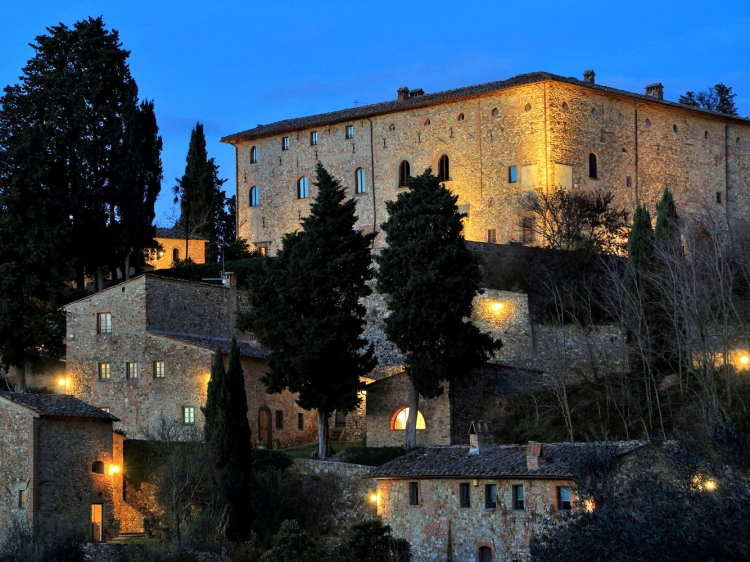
[61,382]
[497,306]
[374,498]
[745,360]
[113,469]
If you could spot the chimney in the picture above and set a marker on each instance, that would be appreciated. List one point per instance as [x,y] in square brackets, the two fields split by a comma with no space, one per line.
[480,435]
[655,90]
[228,279]
[403,93]
[533,453]
[416,92]
[588,76]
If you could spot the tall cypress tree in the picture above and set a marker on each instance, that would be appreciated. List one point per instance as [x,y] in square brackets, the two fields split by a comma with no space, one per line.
[306,308]
[431,279]
[227,433]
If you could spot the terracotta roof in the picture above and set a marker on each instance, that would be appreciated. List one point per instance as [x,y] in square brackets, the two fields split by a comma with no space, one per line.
[492,461]
[58,405]
[246,348]
[392,106]
[174,233]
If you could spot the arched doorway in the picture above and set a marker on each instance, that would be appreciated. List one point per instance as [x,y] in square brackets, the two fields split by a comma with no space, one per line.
[264,426]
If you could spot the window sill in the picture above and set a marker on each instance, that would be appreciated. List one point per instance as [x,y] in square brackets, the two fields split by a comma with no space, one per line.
[361,194]
[489,509]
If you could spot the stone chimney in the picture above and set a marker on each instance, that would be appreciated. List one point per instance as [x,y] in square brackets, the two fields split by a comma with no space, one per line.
[533,453]
[416,92]
[480,435]
[588,76]
[403,93]
[655,90]
[229,280]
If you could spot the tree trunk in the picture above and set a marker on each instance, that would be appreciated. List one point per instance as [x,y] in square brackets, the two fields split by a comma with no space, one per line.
[324,448]
[126,273]
[410,435]
[21,376]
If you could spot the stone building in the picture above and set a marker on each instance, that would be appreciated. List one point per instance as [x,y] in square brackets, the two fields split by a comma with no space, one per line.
[60,465]
[494,144]
[143,349]
[482,502]
[172,242]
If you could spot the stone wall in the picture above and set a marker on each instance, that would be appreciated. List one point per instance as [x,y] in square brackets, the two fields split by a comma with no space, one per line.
[352,501]
[196,252]
[16,461]
[438,527]
[547,130]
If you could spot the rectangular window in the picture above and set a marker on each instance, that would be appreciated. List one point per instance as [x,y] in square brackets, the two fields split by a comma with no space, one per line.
[628,181]
[350,131]
[188,415]
[104,322]
[518,497]
[718,197]
[285,143]
[131,370]
[492,236]
[300,421]
[413,493]
[313,138]
[279,419]
[512,174]
[563,497]
[159,369]
[21,499]
[490,496]
[105,372]
[464,493]
[527,230]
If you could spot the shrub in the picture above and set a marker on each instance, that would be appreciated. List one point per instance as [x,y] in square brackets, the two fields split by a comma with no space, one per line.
[371,541]
[292,543]
[60,540]
[371,456]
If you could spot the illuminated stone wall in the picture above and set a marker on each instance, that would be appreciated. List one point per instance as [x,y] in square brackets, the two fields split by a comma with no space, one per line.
[547,130]
[196,252]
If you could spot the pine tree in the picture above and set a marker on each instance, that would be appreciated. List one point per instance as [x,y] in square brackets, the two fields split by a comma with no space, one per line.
[725,97]
[717,98]
[199,192]
[667,219]
[431,279]
[641,240]
[306,308]
[227,433]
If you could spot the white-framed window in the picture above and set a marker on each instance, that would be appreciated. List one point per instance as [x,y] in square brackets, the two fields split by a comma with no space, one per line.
[313,138]
[359,178]
[512,174]
[519,497]
[254,199]
[159,369]
[302,188]
[285,143]
[104,322]
[105,371]
[350,131]
[188,415]
[563,498]
[131,370]
[254,155]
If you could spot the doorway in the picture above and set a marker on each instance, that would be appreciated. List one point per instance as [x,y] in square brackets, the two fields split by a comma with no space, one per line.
[264,426]
[97,518]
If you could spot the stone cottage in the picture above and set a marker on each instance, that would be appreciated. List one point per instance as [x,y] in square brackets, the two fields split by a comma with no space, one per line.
[478,503]
[60,464]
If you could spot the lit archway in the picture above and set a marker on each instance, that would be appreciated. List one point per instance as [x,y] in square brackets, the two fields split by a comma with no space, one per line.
[399,419]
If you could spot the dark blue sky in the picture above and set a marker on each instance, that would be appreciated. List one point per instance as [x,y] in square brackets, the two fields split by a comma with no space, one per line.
[233,65]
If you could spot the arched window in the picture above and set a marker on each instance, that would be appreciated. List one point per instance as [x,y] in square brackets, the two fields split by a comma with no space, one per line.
[485,554]
[254,155]
[254,196]
[175,255]
[302,192]
[359,178]
[97,467]
[444,168]
[399,420]
[427,122]
[565,106]
[593,166]
[404,171]
[460,116]
[494,112]
[392,128]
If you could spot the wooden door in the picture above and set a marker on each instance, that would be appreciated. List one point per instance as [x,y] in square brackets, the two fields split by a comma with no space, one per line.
[264,426]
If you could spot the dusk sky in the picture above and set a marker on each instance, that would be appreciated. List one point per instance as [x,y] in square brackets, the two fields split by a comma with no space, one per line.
[232,65]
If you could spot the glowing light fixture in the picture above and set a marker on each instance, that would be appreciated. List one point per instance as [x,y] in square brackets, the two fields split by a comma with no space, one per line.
[114,469]
[745,360]
[710,485]
[374,498]
[61,382]
[589,505]
[497,306]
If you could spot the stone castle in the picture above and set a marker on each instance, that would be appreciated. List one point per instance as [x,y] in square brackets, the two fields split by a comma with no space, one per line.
[494,144]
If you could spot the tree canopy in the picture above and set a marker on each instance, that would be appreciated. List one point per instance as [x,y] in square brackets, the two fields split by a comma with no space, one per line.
[719,98]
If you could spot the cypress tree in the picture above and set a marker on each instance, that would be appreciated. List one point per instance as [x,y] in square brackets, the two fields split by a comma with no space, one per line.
[306,308]
[667,220]
[640,241]
[431,279]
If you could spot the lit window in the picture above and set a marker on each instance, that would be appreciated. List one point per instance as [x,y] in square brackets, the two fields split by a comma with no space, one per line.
[300,421]
[97,467]
[313,138]
[492,236]
[159,370]
[485,554]
[400,420]
[512,174]
[359,177]
[105,372]
[527,230]
[464,493]
[279,419]
[444,168]
[350,131]
[413,493]
[518,497]
[404,171]
[175,255]
[188,415]
[104,322]
[490,496]
[302,191]
[131,370]
[563,497]
[253,196]
[254,155]
[285,143]
[263,250]
[593,165]
[21,499]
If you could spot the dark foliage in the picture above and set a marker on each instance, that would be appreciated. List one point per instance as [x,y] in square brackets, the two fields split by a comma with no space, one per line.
[292,543]
[371,541]
[370,456]
[719,98]
[243,269]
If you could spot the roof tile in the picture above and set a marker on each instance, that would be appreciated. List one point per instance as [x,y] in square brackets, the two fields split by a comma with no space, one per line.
[58,405]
